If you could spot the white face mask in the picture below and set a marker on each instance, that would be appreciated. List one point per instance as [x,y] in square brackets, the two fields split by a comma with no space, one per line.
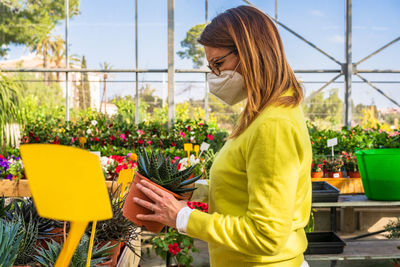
[228,87]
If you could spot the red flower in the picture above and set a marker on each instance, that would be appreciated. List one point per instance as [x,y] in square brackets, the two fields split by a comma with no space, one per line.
[210,137]
[56,141]
[96,139]
[31,134]
[174,248]
[37,139]
[188,128]
[112,137]
[140,142]
[110,125]
[173,144]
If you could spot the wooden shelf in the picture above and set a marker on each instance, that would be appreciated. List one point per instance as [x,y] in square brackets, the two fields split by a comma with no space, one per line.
[363,250]
[21,188]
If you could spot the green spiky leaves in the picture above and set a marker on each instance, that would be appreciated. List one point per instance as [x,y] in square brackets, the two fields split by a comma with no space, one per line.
[159,169]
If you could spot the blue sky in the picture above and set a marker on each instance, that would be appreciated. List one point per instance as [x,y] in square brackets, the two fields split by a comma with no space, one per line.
[104,31]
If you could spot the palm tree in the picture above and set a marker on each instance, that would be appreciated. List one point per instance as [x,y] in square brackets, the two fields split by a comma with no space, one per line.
[43,45]
[10,109]
[105,66]
[58,53]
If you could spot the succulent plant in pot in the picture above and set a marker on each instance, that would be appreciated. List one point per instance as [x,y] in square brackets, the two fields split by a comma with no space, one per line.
[10,241]
[118,230]
[157,169]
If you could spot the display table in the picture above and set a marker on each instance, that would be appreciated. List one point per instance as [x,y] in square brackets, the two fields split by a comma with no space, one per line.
[363,250]
[356,249]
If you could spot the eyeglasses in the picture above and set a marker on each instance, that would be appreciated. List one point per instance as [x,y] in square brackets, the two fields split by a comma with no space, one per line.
[215,65]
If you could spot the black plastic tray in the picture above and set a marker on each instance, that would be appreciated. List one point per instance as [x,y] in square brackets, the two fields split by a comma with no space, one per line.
[324,192]
[324,243]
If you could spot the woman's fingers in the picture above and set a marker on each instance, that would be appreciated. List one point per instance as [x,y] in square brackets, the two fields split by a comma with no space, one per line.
[149,217]
[153,188]
[149,192]
[146,204]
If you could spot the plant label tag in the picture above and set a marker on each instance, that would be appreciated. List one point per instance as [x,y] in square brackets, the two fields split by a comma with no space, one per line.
[336,175]
[332,142]
[204,146]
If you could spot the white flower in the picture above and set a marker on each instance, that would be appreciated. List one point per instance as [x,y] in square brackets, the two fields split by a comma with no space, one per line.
[89,131]
[185,164]
[94,122]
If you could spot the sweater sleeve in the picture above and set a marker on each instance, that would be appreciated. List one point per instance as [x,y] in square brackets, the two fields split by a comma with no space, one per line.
[273,168]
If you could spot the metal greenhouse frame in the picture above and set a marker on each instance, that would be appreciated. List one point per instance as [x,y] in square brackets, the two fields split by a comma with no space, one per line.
[347,68]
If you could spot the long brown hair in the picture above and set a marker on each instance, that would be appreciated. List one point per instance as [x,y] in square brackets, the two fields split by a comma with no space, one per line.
[265,69]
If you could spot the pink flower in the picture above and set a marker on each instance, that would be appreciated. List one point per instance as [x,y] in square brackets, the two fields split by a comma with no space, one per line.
[182,134]
[210,137]
[149,142]
[140,132]
[201,124]
[123,137]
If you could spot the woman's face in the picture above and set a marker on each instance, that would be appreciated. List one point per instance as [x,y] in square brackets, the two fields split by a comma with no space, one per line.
[227,63]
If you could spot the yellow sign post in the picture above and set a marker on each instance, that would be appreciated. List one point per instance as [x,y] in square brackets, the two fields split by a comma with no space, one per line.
[66,184]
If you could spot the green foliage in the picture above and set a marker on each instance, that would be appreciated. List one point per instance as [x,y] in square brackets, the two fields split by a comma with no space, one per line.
[29,233]
[26,22]
[159,169]
[117,228]
[10,240]
[192,49]
[48,257]
[178,245]
[319,108]
[351,139]
[209,157]
[10,108]
[84,88]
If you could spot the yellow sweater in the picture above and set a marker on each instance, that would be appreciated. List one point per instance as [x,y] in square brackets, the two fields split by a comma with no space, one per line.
[259,194]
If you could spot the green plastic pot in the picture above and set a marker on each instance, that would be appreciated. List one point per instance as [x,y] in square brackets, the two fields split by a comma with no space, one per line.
[380,173]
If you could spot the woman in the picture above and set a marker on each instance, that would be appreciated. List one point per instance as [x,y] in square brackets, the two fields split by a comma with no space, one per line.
[260,187]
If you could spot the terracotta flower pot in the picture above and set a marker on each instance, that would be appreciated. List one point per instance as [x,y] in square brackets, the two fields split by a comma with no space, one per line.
[335,174]
[188,195]
[114,253]
[131,209]
[354,174]
[317,174]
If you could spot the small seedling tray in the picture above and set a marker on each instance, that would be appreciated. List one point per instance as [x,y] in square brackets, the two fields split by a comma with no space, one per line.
[324,192]
[324,243]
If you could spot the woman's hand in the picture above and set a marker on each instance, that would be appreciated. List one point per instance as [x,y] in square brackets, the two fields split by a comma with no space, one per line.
[165,206]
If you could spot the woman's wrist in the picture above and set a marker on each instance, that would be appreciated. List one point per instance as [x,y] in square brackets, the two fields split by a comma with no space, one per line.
[182,219]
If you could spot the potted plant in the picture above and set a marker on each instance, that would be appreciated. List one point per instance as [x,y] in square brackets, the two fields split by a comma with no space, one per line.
[117,231]
[48,257]
[316,167]
[10,241]
[393,227]
[351,165]
[333,167]
[158,170]
[179,246]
